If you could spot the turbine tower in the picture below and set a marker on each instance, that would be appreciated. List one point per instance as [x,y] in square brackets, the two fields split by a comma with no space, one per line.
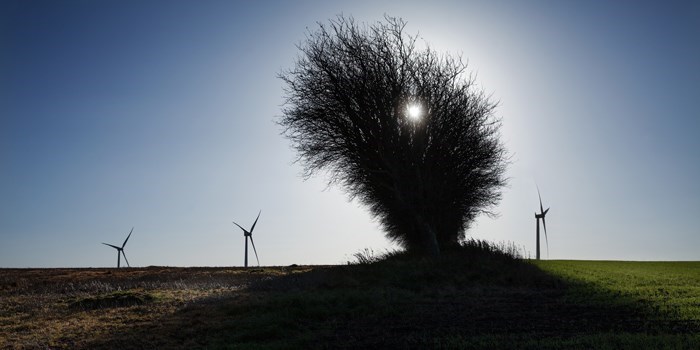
[120,250]
[247,234]
[539,216]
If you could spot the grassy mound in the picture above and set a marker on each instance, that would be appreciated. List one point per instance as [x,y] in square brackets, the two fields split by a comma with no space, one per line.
[111,300]
[479,295]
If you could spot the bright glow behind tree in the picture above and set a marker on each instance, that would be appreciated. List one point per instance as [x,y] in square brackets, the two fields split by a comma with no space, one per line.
[414,112]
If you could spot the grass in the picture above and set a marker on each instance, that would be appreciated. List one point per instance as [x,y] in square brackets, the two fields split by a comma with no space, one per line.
[668,288]
[478,297]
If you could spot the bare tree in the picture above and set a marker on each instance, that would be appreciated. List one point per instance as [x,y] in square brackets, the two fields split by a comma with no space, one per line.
[403,130]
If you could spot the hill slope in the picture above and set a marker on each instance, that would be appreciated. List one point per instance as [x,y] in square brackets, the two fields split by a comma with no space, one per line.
[463,301]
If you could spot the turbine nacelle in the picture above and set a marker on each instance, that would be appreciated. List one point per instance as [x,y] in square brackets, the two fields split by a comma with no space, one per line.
[542,214]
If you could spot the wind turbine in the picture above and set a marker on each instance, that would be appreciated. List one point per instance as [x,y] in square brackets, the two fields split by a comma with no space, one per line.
[539,216]
[120,250]
[247,234]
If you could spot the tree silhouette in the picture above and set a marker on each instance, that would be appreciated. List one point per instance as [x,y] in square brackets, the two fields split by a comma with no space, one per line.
[403,130]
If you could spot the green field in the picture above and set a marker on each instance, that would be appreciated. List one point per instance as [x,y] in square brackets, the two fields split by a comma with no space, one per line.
[665,294]
[470,300]
[671,288]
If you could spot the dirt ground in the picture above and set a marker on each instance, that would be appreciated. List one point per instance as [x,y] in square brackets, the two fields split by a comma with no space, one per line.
[321,307]
[78,308]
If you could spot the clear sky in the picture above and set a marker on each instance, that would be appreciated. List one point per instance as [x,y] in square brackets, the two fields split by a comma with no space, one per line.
[160,115]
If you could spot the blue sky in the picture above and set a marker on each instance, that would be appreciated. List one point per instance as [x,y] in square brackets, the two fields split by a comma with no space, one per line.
[160,115]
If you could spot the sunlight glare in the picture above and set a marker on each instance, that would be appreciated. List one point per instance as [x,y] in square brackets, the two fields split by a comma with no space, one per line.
[414,112]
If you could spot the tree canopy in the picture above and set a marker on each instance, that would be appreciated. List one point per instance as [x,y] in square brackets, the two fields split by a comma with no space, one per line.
[404,130]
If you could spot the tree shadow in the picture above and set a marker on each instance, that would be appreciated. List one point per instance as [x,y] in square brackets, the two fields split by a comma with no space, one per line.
[403,304]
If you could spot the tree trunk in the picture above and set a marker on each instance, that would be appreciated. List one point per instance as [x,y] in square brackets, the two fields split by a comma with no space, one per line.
[432,248]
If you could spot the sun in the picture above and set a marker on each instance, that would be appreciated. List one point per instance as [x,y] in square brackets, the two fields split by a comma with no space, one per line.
[414,112]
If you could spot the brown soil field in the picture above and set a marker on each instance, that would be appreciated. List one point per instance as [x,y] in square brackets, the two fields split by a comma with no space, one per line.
[469,302]
[102,307]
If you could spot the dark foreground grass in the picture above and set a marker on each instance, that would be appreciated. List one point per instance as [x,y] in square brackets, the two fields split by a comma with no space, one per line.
[473,298]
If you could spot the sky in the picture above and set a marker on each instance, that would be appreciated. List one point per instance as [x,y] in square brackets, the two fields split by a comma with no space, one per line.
[160,115]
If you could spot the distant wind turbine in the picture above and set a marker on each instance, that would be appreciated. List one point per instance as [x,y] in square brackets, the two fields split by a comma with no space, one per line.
[539,216]
[247,234]
[120,250]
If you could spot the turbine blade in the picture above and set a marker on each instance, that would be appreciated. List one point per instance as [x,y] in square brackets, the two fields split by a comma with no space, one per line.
[113,246]
[538,195]
[256,221]
[545,212]
[254,250]
[127,260]
[239,226]
[544,224]
[127,237]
